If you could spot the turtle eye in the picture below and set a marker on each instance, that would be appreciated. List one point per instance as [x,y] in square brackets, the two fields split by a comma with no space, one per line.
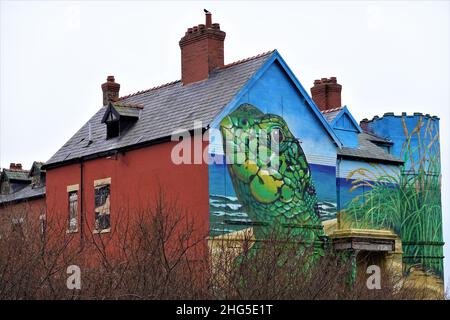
[276,135]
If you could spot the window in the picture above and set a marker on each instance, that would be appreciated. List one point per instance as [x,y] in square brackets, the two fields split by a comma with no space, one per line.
[102,208]
[112,129]
[73,211]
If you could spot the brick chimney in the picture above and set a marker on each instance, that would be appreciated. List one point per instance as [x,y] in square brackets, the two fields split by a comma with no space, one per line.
[201,51]
[110,90]
[326,93]
[15,166]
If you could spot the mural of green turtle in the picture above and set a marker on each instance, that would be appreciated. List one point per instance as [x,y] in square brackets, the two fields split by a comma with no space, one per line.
[271,177]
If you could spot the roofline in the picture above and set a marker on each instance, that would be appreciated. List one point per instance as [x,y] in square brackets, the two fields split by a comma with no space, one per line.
[231,64]
[106,153]
[37,196]
[332,110]
[275,56]
[385,161]
[114,151]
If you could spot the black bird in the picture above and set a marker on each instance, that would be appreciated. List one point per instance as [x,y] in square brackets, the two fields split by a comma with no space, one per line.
[206,11]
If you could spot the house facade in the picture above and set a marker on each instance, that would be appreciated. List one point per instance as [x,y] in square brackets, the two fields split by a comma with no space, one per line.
[342,179]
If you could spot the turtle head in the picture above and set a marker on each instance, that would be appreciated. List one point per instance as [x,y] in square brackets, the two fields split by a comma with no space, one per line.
[265,159]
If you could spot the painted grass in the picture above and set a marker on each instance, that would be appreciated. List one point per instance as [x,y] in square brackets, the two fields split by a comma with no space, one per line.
[408,201]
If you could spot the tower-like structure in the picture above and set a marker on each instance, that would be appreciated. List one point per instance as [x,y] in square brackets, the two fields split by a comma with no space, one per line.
[416,141]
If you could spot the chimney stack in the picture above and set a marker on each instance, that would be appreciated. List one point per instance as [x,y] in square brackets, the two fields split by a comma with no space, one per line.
[202,50]
[15,166]
[326,93]
[110,90]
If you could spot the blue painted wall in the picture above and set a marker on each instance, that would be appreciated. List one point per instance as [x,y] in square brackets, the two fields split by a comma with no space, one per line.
[275,93]
[397,128]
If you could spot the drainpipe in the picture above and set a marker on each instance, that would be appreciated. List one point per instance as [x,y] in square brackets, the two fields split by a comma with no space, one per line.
[81,204]
[338,189]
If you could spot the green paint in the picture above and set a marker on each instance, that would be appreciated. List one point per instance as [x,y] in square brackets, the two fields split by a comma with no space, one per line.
[278,196]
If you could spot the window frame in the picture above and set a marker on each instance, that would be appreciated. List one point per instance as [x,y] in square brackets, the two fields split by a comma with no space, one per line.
[98,184]
[70,190]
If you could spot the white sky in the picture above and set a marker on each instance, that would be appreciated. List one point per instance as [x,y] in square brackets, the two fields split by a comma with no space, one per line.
[54,56]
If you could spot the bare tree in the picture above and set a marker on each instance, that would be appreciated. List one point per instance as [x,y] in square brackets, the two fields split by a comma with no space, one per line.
[157,253]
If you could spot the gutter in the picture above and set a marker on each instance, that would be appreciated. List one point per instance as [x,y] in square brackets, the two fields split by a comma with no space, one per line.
[15,201]
[378,160]
[112,152]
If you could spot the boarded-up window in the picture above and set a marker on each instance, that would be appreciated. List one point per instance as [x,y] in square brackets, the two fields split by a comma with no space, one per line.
[73,211]
[102,206]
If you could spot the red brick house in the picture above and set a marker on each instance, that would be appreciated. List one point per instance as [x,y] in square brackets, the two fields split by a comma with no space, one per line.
[22,195]
[121,158]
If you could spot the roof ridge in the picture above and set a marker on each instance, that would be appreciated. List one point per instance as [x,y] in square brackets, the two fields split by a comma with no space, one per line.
[16,170]
[176,81]
[248,59]
[147,90]
[332,110]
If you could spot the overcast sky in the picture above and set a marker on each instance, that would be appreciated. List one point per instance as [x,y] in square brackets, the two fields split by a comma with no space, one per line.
[389,57]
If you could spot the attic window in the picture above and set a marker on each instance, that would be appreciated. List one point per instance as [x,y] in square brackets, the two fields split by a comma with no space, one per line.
[112,129]
[119,118]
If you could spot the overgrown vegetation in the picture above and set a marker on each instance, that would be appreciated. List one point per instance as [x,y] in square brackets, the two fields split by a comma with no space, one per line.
[159,255]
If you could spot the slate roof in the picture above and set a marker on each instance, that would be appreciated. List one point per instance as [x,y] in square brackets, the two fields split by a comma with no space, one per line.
[166,108]
[20,175]
[29,192]
[375,138]
[331,113]
[368,150]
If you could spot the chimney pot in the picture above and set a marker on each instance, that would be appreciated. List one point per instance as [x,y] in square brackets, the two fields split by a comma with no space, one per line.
[208,19]
[364,124]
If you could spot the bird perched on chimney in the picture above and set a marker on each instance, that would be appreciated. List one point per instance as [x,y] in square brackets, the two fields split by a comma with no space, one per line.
[206,11]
